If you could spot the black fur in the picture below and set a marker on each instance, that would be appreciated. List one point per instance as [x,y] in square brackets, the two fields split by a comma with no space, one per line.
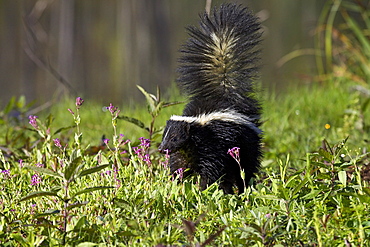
[216,81]
[218,65]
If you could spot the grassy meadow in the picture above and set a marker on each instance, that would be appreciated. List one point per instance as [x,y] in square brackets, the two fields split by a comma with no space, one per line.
[63,185]
[85,174]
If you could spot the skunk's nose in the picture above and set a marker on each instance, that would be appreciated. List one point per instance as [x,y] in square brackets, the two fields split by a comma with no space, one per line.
[162,150]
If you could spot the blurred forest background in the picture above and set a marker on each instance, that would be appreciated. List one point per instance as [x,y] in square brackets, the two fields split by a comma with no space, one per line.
[102,49]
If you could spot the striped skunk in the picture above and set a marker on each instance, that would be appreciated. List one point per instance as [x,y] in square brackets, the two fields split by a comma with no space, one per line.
[217,69]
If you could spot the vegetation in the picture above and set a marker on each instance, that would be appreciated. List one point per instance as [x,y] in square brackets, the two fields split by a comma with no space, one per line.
[73,178]
[56,189]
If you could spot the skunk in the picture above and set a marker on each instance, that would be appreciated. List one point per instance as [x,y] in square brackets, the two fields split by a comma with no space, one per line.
[218,65]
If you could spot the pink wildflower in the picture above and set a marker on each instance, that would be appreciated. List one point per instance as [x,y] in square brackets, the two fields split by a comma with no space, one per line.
[79,102]
[33,121]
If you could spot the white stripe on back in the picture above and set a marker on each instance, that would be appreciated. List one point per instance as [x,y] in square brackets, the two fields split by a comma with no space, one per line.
[227,116]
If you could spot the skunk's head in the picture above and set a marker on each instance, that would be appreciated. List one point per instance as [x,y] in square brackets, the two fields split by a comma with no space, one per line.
[175,136]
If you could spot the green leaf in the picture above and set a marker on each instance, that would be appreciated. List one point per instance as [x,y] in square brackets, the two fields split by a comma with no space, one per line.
[168,104]
[80,223]
[76,205]
[47,213]
[21,103]
[75,154]
[64,128]
[78,138]
[255,227]
[18,238]
[158,94]
[86,244]
[56,188]
[324,175]
[71,168]
[150,99]
[319,164]
[38,194]
[157,109]
[49,120]
[326,155]
[88,190]
[312,194]
[268,197]
[365,104]
[121,203]
[92,170]
[242,174]
[366,190]
[44,171]
[339,146]
[299,186]
[133,224]
[103,159]
[342,175]
[363,198]
[10,105]
[135,121]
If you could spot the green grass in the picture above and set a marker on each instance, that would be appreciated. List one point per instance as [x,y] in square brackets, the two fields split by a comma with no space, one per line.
[303,195]
[297,121]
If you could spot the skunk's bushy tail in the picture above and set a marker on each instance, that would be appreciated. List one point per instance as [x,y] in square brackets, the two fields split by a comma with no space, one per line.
[220,59]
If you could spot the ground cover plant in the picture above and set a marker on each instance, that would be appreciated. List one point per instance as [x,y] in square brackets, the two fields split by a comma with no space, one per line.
[56,189]
[83,174]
